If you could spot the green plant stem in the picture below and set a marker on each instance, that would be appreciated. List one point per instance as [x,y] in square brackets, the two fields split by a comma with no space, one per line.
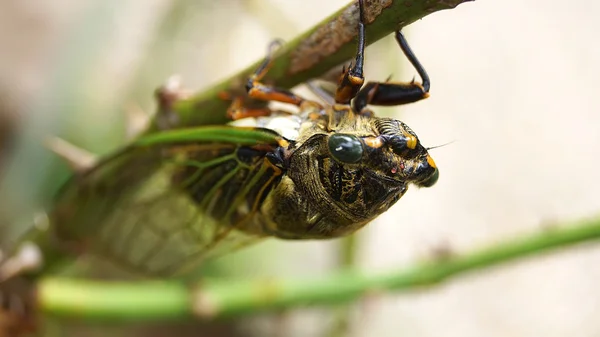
[145,301]
[347,251]
[168,300]
[347,261]
[308,56]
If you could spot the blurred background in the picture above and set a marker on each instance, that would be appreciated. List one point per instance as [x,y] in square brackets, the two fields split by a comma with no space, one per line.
[514,88]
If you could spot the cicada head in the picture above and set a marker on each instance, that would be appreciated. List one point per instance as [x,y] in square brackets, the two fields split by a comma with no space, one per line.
[398,151]
[379,168]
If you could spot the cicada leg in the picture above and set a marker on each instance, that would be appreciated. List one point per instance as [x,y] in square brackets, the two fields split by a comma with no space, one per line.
[237,110]
[389,93]
[352,78]
[263,92]
[379,93]
[321,93]
[257,90]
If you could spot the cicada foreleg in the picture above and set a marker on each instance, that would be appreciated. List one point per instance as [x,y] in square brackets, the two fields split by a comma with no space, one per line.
[352,78]
[257,90]
[378,93]
[260,91]
[237,110]
[389,93]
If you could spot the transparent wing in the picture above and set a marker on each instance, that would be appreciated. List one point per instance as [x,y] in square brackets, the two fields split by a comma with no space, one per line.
[161,209]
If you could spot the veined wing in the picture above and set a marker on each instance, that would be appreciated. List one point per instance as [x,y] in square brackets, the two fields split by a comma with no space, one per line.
[171,199]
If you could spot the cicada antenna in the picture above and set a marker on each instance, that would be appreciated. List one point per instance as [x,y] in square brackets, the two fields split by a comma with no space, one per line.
[438,146]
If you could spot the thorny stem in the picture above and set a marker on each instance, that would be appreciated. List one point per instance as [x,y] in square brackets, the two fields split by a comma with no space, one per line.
[170,300]
[308,56]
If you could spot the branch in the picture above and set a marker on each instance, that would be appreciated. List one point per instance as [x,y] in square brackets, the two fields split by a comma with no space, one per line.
[308,56]
[150,301]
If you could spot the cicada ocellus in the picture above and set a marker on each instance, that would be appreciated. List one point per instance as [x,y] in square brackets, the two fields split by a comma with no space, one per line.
[176,197]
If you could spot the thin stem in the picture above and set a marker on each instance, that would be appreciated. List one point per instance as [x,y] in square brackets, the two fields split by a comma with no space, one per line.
[167,300]
[347,261]
[347,258]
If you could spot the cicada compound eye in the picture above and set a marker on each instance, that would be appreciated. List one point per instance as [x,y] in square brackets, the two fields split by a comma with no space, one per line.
[431,180]
[427,173]
[345,148]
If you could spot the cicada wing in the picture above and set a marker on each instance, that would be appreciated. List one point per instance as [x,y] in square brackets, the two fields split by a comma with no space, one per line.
[160,210]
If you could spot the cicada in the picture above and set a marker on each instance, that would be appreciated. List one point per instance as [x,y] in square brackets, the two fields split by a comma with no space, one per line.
[176,197]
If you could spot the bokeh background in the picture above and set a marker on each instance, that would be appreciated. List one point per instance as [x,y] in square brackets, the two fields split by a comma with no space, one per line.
[514,89]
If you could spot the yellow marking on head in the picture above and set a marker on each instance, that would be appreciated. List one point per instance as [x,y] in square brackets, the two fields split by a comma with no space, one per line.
[374,142]
[411,141]
[431,162]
